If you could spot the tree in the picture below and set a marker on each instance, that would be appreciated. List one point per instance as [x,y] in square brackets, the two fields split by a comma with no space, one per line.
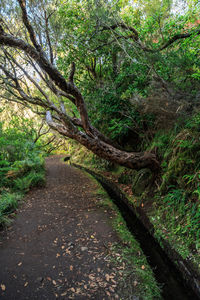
[120,52]
[30,76]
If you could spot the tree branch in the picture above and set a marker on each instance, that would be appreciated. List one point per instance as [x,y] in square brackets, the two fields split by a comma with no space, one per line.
[54,74]
[72,72]
[47,35]
[28,25]
[135,37]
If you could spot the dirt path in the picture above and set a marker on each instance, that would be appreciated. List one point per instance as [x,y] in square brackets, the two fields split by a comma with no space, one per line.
[56,247]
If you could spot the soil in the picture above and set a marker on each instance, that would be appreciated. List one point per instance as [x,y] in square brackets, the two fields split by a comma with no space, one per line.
[58,245]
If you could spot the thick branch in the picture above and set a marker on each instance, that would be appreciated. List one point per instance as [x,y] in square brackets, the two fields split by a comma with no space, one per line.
[123,26]
[28,25]
[72,72]
[48,38]
[135,37]
[54,74]
[178,37]
[131,160]
[27,75]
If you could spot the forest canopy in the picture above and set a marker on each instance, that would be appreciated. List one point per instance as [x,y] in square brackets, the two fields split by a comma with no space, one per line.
[96,69]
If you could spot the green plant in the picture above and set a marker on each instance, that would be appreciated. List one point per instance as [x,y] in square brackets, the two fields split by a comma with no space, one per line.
[8,204]
[181,217]
[21,165]
[32,179]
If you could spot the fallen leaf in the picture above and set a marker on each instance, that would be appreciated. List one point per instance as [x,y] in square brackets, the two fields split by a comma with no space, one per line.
[78,291]
[73,290]
[26,283]
[92,237]
[20,263]
[71,268]
[111,289]
[49,278]
[67,251]
[54,282]
[3,287]
[108,293]
[107,277]
[91,277]
[113,281]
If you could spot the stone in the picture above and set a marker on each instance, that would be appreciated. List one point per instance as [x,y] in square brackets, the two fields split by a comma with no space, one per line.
[142,181]
[84,248]
[39,279]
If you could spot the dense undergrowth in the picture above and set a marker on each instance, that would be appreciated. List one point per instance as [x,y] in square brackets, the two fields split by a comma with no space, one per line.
[21,167]
[177,199]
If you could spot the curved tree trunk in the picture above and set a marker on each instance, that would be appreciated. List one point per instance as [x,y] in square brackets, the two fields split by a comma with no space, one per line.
[132,160]
[58,119]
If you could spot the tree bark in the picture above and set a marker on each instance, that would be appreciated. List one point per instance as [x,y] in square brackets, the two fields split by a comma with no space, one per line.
[132,160]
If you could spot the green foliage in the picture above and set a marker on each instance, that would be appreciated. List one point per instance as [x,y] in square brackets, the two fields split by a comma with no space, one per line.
[178,196]
[127,177]
[8,204]
[194,122]
[181,218]
[113,72]
[21,165]
[24,183]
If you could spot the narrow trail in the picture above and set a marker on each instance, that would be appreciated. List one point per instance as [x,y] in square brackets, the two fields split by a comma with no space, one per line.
[56,247]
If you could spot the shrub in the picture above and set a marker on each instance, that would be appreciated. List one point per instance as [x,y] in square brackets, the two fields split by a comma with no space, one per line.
[32,179]
[8,204]
[21,167]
